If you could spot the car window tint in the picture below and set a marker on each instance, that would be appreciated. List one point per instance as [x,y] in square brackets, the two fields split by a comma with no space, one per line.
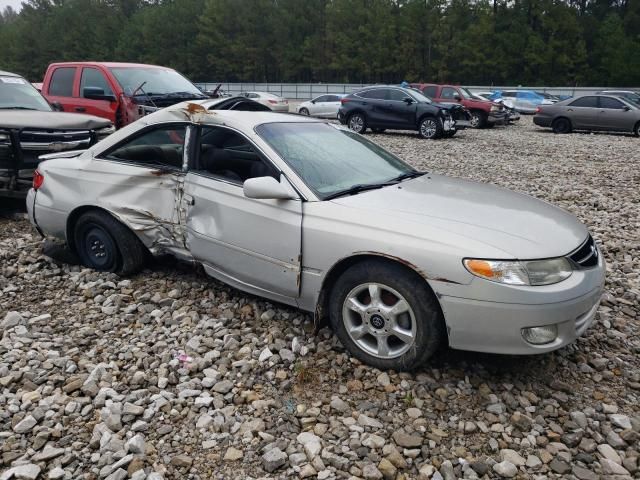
[322,99]
[397,95]
[160,147]
[228,155]
[509,94]
[588,102]
[333,98]
[92,77]
[612,103]
[448,92]
[376,94]
[62,82]
[430,91]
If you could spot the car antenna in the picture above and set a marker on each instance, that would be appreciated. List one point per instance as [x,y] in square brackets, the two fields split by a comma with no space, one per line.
[133,94]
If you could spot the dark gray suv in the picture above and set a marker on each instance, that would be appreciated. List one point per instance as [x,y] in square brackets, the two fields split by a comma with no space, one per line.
[383,108]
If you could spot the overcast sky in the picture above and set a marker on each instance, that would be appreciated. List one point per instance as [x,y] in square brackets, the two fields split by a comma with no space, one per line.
[14,3]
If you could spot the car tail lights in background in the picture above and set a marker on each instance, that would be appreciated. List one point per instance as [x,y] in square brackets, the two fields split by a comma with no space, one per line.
[344,100]
[538,109]
[273,102]
[38,180]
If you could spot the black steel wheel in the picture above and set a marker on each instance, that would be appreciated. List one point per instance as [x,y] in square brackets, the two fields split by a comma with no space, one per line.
[105,244]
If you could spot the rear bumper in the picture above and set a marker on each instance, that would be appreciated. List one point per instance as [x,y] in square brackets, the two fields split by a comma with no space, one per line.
[279,108]
[542,121]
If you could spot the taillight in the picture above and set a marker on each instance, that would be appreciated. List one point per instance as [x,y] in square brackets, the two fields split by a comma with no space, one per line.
[538,109]
[344,100]
[38,179]
[273,102]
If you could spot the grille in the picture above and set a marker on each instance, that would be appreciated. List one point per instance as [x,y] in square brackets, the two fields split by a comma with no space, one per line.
[52,141]
[586,256]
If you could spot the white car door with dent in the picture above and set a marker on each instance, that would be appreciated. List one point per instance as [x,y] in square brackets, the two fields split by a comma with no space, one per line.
[250,243]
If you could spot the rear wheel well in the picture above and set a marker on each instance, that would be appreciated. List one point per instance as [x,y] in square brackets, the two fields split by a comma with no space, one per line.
[73,218]
[321,316]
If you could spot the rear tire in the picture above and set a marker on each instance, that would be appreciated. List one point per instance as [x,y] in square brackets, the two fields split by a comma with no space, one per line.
[357,122]
[304,111]
[561,126]
[478,119]
[636,131]
[372,300]
[106,245]
[430,128]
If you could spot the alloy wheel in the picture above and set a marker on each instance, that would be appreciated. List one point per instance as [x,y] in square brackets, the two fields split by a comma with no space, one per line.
[379,320]
[428,128]
[356,123]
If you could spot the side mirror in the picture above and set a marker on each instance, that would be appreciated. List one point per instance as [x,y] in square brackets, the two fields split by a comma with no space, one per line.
[457,97]
[313,101]
[626,108]
[57,106]
[265,188]
[407,100]
[95,93]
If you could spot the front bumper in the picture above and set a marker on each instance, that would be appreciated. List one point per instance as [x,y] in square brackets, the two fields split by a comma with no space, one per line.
[496,326]
[498,118]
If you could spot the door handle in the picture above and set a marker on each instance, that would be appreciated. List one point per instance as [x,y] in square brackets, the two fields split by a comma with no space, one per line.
[80,109]
[569,109]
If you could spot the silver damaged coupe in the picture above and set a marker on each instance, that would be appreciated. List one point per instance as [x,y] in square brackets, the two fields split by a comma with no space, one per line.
[310,214]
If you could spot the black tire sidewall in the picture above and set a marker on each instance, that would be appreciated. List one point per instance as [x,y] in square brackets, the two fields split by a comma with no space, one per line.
[304,111]
[482,118]
[430,332]
[561,121]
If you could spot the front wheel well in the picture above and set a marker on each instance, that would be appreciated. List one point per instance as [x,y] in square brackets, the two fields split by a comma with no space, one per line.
[321,315]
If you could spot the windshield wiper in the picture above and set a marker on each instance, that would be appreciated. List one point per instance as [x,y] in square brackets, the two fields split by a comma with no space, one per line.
[360,187]
[17,108]
[406,175]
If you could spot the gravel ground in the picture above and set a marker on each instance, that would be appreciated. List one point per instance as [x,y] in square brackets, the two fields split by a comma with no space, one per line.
[170,374]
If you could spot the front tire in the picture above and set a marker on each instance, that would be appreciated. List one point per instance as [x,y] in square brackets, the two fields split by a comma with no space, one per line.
[636,131]
[430,128]
[357,122]
[478,119]
[105,244]
[561,126]
[304,111]
[386,315]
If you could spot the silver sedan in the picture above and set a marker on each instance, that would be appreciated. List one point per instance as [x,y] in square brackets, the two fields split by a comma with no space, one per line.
[313,215]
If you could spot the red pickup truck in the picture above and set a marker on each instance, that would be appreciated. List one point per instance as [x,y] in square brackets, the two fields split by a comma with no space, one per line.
[121,92]
[484,113]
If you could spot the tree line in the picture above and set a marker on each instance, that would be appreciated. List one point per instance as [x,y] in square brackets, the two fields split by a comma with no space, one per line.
[474,42]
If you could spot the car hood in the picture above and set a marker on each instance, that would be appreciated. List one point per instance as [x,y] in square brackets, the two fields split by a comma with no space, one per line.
[50,120]
[433,205]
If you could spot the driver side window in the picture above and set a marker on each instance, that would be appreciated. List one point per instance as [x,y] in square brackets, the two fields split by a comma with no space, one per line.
[230,156]
[160,147]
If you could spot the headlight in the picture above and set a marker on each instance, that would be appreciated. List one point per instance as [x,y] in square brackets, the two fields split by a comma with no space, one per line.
[495,108]
[526,272]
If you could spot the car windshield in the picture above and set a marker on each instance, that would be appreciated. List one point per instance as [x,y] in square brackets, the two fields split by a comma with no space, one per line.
[418,95]
[17,93]
[154,81]
[630,97]
[466,93]
[331,159]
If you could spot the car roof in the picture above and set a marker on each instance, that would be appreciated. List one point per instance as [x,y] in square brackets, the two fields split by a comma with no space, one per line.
[111,65]
[9,74]
[242,120]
